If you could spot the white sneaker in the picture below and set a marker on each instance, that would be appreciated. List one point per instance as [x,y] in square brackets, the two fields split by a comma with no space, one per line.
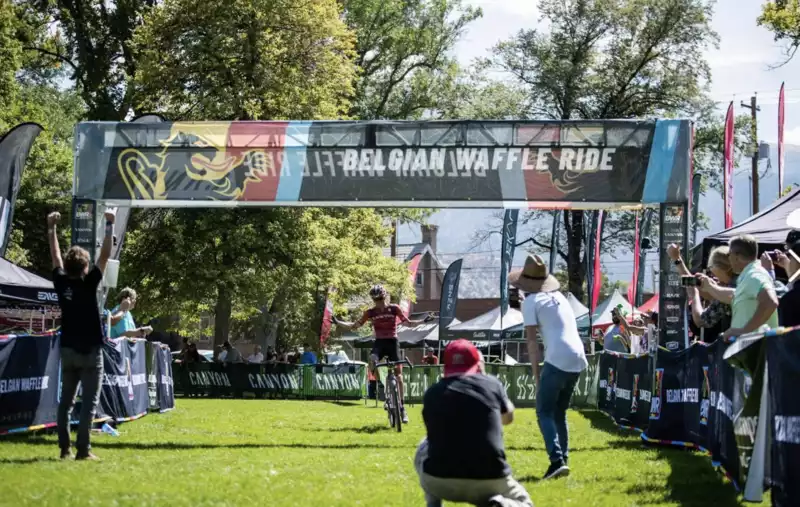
[404,415]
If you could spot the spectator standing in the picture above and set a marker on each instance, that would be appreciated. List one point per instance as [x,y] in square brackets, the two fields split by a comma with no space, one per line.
[192,354]
[308,357]
[547,312]
[232,354]
[82,334]
[430,358]
[789,305]
[613,339]
[463,458]
[256,357]
[753,303]
[220,353]
[122,324]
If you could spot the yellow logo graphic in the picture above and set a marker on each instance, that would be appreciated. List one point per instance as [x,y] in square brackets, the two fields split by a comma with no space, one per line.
[198,153]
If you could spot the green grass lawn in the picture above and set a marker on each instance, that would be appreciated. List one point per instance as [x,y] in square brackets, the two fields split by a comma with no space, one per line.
[274,453]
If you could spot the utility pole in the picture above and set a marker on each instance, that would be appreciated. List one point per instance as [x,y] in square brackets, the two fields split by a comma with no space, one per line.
[753,107]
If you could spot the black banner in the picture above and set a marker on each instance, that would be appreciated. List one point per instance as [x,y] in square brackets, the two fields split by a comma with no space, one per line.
[84,225]
[15,146]
[672,302]
[29,382]
[124,395]
[783,358]
[165,385]
[726,400]
[507,256]
[449,298]
[632,391]
[364,163]
[675,405]
[606,399]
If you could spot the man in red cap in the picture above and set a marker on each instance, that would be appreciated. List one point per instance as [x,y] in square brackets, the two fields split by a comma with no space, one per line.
[463,458]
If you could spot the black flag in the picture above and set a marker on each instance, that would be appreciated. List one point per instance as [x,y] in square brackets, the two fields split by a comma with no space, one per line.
[507,257]
[15,146]
[449,299]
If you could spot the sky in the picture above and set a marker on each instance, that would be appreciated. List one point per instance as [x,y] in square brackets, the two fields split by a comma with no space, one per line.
[743,64]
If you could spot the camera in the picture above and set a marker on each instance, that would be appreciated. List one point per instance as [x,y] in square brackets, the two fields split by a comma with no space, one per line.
[689,281]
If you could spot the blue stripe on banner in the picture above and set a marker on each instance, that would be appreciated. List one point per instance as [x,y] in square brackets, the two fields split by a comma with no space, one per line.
[662,157]
[294,159]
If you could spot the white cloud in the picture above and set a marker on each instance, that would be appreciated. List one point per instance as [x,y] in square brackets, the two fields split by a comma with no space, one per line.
[792,136]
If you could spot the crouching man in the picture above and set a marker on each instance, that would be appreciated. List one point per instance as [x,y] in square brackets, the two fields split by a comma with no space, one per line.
[463,458]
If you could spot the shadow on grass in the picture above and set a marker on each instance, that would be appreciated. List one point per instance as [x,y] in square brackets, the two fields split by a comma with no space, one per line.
[25,461]
[616,444]
[181,446]
[349,403]
[692,480]
[369,429]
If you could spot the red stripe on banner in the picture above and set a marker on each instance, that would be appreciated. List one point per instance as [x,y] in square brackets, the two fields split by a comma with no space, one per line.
[781,120]
[597,279]
[413,266]
[539,182]
[636,254]
[247,140]
[727,173]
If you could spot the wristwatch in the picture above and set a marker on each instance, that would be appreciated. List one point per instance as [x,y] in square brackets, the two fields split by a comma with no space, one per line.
[678,262]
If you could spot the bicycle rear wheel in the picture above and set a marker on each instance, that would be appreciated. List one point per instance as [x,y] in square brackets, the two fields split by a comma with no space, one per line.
[395,405]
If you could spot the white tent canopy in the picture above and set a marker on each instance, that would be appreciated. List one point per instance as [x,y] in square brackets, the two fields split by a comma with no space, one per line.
[577,307]
[602,315]
[488,326]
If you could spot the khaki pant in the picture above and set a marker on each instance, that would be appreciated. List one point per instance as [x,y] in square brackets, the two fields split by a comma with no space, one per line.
[506,491]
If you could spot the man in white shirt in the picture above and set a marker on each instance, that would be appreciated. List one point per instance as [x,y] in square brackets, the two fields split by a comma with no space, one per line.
[256,357]
[547,312]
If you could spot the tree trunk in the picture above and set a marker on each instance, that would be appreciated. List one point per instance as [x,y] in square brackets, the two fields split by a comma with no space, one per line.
[222,315]
[576,269]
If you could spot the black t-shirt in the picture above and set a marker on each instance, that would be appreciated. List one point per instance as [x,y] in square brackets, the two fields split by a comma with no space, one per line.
[789,307]
[465,432]
[81,325]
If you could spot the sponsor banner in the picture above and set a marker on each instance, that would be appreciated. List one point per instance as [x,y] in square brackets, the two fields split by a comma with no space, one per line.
[672,297]
[632,391]
[84,225]
[151,358]
[675,400]
[125,393]
[476,164]
[15,146]
[449,298]
[606,382]
[165,391]
[585,394]
[507,256]
[306,381]
[783,357]
[29,382]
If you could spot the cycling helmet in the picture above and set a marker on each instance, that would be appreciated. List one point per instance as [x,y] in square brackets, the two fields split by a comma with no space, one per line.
[377,292]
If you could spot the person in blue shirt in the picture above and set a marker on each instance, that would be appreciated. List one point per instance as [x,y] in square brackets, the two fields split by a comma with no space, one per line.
[308,356]
[122,324]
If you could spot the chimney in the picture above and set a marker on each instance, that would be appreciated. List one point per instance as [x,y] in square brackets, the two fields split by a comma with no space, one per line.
[430,286]
[429,235]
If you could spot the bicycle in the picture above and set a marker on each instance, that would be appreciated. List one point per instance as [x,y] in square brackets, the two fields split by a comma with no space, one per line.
[392,392]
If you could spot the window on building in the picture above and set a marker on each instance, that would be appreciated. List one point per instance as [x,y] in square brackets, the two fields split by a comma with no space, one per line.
[420,279]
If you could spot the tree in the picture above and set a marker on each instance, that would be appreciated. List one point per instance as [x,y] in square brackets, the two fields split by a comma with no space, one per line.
[782,18]
[599,59]
[404,53]
[237,264]
[245,60]
[95,45]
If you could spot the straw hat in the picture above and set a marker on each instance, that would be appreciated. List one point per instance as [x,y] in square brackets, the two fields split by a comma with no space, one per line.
[533,277]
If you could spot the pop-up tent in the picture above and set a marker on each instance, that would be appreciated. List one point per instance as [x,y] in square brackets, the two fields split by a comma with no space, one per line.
[769,227]
[20,286]
[486,327]
[577,307]
[651,305]
[602,315]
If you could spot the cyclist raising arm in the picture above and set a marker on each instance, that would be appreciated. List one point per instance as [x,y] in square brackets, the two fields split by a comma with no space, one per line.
[384,317]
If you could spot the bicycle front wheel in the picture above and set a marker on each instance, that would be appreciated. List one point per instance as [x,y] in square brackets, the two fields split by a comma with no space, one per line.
[395,406]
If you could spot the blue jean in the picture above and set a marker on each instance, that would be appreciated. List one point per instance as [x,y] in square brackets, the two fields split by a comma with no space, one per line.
[552,401]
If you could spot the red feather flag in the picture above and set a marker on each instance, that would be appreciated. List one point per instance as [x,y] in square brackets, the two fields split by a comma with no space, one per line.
[727,173]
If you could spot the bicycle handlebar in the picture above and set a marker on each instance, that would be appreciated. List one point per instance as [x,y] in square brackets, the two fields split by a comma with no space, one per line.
[394,363]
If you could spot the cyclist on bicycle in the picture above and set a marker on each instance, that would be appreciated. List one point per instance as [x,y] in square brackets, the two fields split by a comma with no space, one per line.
[384,317]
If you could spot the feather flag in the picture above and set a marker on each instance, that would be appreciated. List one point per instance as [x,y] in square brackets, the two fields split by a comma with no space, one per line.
[636,255]
[15,146]
[727,173]
[781,120]
[597,277]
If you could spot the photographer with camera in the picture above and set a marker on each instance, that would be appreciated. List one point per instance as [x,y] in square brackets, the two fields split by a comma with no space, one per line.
[714,317]
[788,315]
